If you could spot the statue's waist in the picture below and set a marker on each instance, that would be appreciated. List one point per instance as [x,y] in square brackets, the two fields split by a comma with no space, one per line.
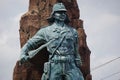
[65,50]
[62,59]
[62,49]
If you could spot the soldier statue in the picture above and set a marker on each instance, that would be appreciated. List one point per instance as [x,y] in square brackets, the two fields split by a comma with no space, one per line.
[61,41]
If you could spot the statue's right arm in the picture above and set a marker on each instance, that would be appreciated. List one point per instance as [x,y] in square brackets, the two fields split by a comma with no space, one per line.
[31,44]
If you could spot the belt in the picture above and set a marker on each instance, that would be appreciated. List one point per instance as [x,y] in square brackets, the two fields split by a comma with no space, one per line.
[64,53]
[62,59]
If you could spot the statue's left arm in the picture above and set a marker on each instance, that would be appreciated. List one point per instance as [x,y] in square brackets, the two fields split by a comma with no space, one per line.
[77,54]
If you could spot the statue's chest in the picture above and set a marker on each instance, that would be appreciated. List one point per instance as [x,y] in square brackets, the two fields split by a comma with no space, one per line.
[58,34]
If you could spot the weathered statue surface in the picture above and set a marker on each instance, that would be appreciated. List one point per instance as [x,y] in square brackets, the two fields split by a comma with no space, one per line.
[61,41]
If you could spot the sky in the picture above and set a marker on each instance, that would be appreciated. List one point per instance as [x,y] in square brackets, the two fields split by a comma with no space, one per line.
[101,23]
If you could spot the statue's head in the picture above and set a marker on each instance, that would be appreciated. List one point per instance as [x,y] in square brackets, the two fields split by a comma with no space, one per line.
[59,13]
[58,7]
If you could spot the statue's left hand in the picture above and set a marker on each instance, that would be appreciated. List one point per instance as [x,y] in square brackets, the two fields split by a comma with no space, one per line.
[78,63]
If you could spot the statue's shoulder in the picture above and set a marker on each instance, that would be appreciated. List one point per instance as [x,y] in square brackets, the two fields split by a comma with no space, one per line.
[46,27]
[72,28]
[49,27]
[74,31]
[43,28]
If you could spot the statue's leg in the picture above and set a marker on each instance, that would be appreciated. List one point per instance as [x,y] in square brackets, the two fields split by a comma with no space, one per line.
[74,73]
[55,73]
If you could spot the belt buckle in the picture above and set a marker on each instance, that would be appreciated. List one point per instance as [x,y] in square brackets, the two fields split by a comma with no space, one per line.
[63,58]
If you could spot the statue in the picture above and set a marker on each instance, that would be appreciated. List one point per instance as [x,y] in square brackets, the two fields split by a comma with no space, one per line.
[61,41]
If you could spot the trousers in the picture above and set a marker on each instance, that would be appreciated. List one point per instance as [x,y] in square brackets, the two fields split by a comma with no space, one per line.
[64,71]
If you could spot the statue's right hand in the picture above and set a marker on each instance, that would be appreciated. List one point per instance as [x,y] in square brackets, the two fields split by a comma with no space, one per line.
[23,59]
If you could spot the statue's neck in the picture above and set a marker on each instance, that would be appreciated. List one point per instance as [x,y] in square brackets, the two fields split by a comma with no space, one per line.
[59,23]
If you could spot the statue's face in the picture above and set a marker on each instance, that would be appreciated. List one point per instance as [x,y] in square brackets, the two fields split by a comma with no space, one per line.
[60,15]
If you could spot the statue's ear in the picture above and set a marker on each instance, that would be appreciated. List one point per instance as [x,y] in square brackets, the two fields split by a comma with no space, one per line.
[67,20]
[51,19]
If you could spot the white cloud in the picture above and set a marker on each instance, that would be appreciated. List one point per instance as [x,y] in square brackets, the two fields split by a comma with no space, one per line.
[105,21]
[3,40]
[9,33]
[9,46]
[107,69]
[101,23]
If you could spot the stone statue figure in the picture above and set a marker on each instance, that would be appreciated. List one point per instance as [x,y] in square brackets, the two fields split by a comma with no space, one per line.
[61,41]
